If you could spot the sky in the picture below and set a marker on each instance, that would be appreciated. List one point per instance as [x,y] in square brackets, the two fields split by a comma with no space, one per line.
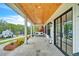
[9,15]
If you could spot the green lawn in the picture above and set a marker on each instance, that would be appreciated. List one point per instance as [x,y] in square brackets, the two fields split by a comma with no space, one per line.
[2,41]
[5,41]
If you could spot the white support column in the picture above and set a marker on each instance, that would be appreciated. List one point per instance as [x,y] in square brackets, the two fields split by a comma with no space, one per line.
[31,29]
[46,30]
[25,31]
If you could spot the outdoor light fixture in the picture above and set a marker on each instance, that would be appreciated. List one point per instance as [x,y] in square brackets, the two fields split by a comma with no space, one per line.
[39,6]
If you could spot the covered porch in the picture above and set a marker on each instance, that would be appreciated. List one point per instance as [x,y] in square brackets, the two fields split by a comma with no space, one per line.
[51,29]
[38,46]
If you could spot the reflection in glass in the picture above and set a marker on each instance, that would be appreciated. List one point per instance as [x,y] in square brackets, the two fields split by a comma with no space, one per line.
[63,33]
[58,32]
[64,36]
[69,32]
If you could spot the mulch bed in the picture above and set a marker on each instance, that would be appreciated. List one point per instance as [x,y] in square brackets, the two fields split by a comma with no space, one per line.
[10,47]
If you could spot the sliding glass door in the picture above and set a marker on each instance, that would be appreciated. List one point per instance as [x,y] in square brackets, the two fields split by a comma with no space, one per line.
[58,32]
[69,26]
[63,32]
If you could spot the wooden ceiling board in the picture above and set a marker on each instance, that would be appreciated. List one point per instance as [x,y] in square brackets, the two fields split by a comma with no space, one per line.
[39,13]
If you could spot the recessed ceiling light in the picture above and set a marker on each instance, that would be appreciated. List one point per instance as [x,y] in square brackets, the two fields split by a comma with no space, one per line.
[39,6]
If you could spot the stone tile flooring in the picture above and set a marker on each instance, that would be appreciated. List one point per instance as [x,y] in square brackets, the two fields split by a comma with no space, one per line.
[38,46]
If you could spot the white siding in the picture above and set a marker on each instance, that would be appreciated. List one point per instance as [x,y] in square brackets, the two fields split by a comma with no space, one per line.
[62,9]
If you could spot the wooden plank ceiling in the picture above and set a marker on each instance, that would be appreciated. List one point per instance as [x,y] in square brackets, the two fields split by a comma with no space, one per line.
[38,13]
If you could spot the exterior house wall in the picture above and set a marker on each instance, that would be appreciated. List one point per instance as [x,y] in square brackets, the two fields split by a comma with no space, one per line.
[52,32]
[76,29]
[62,9]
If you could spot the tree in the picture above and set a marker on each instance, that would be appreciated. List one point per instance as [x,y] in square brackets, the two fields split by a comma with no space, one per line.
[16,29]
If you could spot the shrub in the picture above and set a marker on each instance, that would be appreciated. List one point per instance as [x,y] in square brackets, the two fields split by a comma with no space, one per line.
[20,41]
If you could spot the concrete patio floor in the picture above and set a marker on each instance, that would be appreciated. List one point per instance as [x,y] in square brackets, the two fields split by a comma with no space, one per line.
[38,46]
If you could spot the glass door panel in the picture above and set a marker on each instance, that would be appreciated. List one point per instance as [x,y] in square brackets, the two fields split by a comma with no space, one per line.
[69,32]
[58,32]
[63,33]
